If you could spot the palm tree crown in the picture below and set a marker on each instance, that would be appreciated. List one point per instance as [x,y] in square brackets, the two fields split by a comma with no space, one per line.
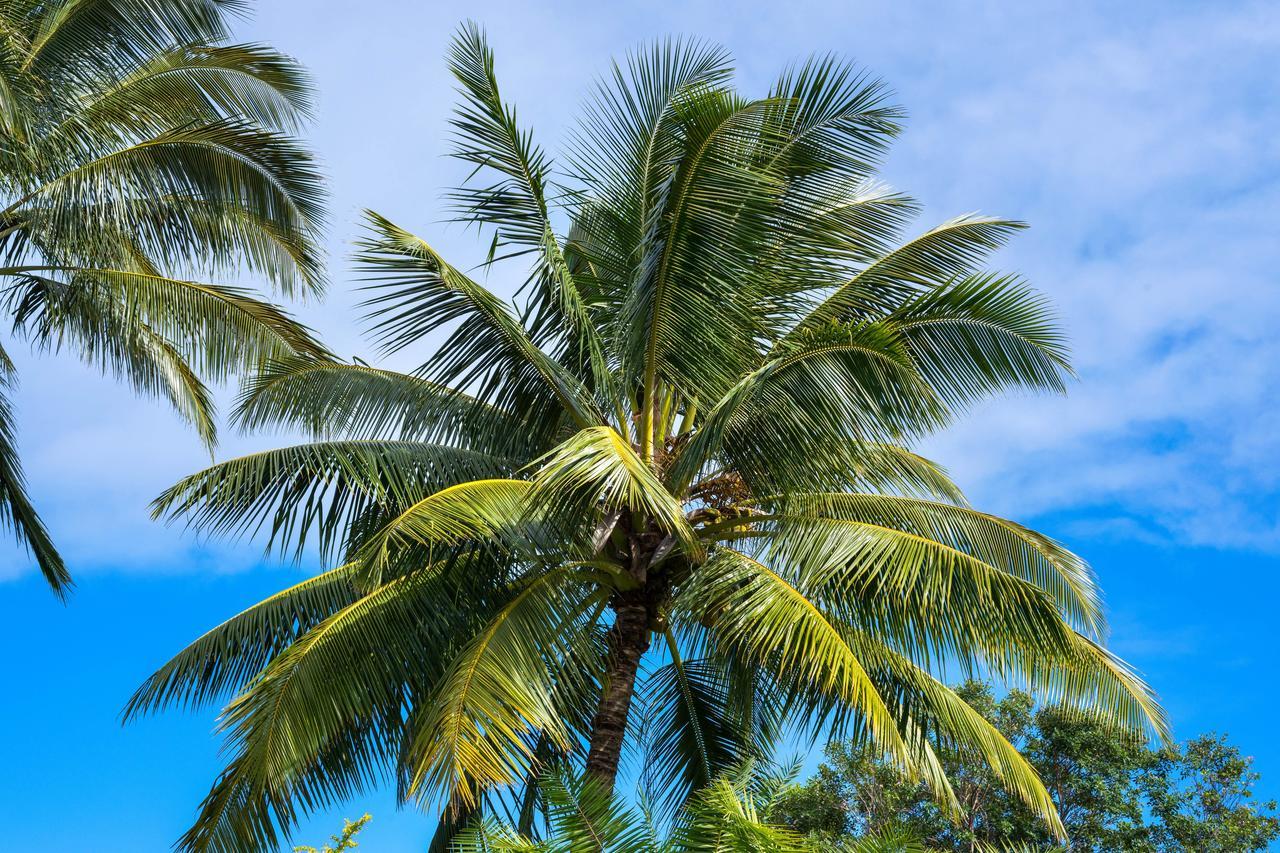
[665,506]
[140,150]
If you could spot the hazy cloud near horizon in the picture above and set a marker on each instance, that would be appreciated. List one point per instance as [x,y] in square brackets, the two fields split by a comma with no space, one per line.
[1140,142]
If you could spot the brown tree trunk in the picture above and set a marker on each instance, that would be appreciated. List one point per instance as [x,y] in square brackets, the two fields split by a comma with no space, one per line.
[628,641]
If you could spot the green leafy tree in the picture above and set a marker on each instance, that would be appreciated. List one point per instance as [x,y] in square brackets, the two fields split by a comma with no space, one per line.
[1201,798]
[673,487]
[1111,790]
[345,840]
[141,150]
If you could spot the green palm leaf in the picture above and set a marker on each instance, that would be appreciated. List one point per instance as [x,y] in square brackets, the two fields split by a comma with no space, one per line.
[319,488]
[498,693]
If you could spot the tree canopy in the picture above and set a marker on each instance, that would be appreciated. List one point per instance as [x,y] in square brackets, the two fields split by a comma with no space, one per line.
[1114,793]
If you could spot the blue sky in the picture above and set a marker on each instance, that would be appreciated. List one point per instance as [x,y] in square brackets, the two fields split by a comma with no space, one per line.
[1140,140]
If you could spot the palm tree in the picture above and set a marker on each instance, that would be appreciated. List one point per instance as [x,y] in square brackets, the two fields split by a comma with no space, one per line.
[667,502]
[141,150]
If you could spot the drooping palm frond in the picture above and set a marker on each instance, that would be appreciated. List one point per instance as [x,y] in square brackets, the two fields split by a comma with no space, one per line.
[399,638]
[227,657]
[768,622]
[498,691]
[143,152]
[995,541]
[16,511]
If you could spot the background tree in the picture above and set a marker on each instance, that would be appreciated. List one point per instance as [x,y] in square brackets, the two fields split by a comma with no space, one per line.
[1201,798]
[1114,794]
[140,150]
[345,840]
[665,507]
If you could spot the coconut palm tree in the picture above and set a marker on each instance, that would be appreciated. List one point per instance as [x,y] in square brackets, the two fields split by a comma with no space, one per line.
[665,507]
[141,150]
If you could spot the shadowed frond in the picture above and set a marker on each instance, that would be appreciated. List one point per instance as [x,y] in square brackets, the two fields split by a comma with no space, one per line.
[692,733]
[16,511]
[497,693]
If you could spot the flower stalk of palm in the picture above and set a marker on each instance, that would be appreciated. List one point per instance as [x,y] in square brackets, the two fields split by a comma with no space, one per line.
[666,506]
[142,150]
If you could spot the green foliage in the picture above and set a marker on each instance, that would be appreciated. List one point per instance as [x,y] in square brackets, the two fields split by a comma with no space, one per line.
[1113,793]
[345,840]
[140,152]
[733,813]
[1201,797]
[664,507]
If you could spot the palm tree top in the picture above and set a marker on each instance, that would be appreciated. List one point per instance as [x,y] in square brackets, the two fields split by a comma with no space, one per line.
[665,504]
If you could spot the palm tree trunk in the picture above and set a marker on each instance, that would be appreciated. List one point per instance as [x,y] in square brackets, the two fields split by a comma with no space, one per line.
[628,641]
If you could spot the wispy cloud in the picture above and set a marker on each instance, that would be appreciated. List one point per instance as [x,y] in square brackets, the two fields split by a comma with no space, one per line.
[1149,165]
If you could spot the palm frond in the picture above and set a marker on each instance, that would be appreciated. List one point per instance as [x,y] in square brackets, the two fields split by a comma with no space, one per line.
[983,334]
[488,136]
[950,250]
[597,469]
[220,331]
[998,542]
[226,658]
[853,384]
[320,488]
[16,511]
[331,399]
[486,512]
[497,693]
[761,617]
[305,733]
[417,292]
[210,81]
[692,733]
